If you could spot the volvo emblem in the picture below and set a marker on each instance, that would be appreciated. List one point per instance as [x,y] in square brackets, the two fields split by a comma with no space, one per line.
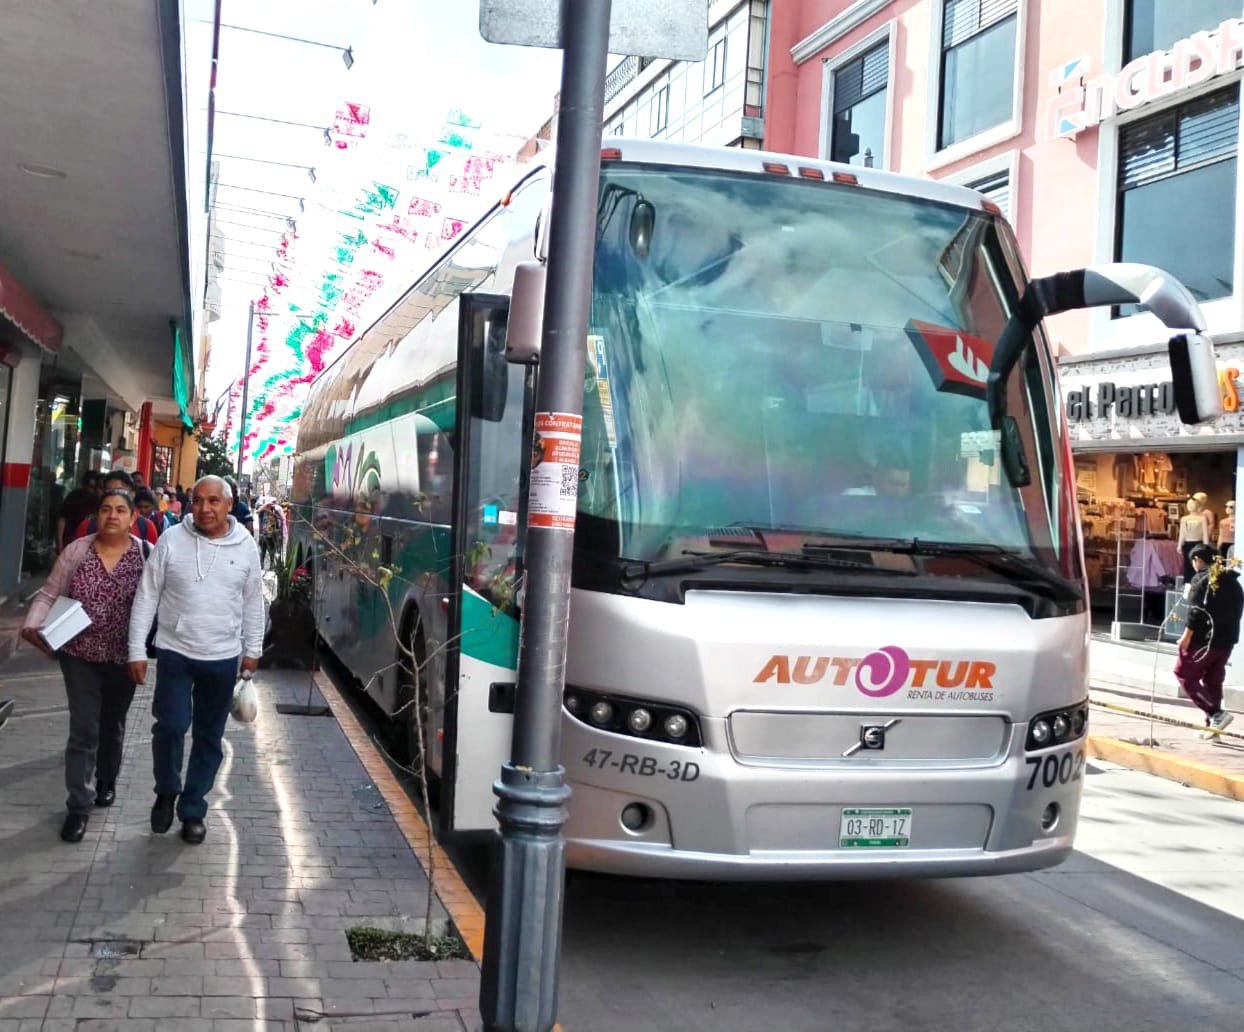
[872,737]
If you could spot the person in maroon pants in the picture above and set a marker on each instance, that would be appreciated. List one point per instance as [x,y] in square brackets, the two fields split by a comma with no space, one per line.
[1215,603]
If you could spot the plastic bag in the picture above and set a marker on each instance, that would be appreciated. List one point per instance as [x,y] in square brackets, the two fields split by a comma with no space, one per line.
[245,706]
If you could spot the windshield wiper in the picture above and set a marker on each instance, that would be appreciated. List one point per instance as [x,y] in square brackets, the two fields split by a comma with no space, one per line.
[688,561]
[993,557]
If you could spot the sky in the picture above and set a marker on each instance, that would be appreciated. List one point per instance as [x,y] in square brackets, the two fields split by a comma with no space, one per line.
[423,127]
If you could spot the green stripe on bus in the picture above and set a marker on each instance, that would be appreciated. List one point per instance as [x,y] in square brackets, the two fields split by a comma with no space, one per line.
[488,634]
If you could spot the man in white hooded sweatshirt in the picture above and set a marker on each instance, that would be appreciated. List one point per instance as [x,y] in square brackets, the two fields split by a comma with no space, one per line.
[204,579]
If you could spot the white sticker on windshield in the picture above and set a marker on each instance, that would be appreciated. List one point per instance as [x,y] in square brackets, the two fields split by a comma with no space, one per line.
[599,363]
[973,443]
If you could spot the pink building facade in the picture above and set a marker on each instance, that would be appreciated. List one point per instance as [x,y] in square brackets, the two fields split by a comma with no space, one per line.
[1106,130]
[1095,124]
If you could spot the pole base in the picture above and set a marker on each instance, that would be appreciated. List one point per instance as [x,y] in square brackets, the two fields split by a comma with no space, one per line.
[522,937]
[302,710]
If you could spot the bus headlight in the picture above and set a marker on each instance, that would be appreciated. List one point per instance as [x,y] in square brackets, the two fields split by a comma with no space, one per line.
[1057,727]
[639,719]
[634,718]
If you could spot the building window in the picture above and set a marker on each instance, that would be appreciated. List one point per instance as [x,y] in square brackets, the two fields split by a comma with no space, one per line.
[1176,205]
[715,66]
[996,188]
[659,114]
[1151,25]
[161,465]
[977,67]
[858,134]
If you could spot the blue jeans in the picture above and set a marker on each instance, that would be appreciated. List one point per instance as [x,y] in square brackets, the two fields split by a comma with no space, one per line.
[190,694]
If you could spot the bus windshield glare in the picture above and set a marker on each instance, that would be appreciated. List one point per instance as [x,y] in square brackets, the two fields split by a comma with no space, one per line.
[772,353]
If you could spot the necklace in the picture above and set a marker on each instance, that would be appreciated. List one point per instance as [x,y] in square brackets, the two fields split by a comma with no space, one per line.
[198,566]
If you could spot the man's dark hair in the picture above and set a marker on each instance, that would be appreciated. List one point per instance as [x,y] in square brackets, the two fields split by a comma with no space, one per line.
[144,494]
[1206,553]
[121,475]
[90,477]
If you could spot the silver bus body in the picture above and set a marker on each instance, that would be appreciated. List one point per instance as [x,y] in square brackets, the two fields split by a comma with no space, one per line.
[869,711]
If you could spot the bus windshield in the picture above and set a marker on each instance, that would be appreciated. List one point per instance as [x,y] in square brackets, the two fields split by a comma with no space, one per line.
[774,354]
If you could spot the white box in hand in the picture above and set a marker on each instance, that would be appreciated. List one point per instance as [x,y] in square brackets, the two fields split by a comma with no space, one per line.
[66,620]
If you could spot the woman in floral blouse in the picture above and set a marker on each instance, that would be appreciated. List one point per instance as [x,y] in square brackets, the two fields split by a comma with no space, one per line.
[101,571]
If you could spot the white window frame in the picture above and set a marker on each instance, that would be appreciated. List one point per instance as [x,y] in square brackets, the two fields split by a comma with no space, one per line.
[660,92]
[835,63]
[1007,161]
[1008,130]
[1223,315]
[715,71]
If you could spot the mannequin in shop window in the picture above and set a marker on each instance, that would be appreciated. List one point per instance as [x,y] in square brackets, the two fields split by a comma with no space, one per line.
[1193,531]
[1226,532]
[1211,517]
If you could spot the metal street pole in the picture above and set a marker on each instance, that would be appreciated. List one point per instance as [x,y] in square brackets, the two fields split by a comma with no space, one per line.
[522,939]
[246,379]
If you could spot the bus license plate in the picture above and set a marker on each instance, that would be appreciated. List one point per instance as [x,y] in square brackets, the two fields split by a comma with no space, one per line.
[875,827]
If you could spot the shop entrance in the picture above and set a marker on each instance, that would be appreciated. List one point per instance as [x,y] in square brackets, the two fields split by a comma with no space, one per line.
[1138,524]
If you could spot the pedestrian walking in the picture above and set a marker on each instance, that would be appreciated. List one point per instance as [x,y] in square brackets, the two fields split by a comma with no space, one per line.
[119,480]
[204,579]
[102,572]
[78,505]
[1215,604]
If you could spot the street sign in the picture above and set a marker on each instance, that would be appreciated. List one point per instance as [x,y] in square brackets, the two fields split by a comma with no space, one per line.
[646,28]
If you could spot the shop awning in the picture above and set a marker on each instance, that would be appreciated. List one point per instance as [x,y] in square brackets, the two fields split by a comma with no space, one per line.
[183,377]
[19,307]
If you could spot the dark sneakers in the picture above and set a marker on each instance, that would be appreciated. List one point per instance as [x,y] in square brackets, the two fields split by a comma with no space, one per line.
[162,813]
[193,831]
[74,827]
[105,795]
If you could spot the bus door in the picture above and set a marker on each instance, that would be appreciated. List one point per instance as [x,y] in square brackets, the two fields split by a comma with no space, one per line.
[491,464]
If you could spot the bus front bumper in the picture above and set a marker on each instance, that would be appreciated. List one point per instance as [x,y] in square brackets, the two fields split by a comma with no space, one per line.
[706,815]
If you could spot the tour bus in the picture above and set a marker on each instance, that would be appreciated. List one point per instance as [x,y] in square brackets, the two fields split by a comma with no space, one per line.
[828,615]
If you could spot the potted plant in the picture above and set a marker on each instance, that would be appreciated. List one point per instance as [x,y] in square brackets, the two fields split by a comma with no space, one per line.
[291,621]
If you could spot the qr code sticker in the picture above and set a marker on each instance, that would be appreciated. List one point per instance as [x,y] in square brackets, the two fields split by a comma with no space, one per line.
[570,481]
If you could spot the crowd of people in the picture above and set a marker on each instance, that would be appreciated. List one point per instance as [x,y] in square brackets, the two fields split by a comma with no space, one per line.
[125,554]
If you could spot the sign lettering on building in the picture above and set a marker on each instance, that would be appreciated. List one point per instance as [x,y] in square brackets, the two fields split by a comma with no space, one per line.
[1080,102]
[1109,399]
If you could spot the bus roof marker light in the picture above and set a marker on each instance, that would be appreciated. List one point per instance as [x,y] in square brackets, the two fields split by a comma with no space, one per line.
[846,179]
[807,172]
[610,154]
[776,167]
[992,208]
[601,712]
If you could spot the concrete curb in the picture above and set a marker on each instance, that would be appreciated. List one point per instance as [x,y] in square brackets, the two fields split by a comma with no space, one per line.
[1173,768]
[463,909]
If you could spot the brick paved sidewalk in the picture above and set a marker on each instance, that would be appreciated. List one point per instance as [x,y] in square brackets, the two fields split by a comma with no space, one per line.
[1125,716]
[137,931]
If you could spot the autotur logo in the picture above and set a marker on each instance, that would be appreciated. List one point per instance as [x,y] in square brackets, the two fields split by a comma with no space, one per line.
[885,672]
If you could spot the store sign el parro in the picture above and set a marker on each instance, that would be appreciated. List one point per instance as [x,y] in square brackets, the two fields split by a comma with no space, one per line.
[1142,399]
[1080,103]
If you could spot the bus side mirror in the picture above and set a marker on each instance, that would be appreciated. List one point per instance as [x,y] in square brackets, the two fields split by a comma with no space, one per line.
[526,323]
[1194,373]
[643,219]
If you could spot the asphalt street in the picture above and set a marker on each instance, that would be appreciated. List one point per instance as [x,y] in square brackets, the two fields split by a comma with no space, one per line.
[1143,928]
